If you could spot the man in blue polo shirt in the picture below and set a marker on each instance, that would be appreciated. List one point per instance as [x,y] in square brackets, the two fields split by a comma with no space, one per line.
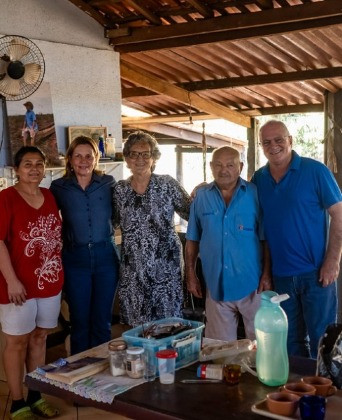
[224,228]
[296,195]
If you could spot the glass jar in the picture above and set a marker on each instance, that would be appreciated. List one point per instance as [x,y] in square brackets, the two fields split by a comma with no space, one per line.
[117,357]
[135,362]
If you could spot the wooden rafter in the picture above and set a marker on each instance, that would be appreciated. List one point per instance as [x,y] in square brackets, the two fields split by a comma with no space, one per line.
[295,76]
[144,11]
[202,8]
[151,82]
[237,26]
[101,19]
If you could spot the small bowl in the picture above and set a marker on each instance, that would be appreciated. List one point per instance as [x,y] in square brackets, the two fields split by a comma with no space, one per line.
[299,388]
[324,386]
[282,403]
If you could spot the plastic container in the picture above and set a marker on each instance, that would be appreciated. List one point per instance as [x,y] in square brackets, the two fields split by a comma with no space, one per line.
[110,146]
[186,343]
[272,363]
[167,365]
[117,357]
[135,362]
[210,371]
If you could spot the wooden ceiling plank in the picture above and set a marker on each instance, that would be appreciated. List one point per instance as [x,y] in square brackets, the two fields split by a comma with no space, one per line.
[151,82]
[204,10]
[281,17]
[292,109]
[101,19]
[144,11]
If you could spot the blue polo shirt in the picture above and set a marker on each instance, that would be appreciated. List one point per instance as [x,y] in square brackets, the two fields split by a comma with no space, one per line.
[228,238]
[86,214]
[295,217]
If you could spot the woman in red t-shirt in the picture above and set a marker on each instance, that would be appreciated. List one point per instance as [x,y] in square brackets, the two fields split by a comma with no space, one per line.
[31,277]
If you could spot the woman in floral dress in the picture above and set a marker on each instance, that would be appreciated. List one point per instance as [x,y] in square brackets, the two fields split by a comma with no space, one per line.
[151,273]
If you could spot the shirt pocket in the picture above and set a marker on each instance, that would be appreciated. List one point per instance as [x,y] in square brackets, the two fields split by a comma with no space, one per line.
[245,224]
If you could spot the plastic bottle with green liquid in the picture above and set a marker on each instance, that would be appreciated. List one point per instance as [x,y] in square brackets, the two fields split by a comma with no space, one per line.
[272,363]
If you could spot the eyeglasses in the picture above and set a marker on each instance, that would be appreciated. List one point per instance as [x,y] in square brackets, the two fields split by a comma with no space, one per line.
[135,155]
[276,140]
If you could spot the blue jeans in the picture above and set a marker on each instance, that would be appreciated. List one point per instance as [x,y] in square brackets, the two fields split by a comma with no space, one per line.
[91,276]
[310,309]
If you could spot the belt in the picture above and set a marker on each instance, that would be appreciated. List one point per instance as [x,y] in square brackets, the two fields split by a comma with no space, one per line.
[90,245]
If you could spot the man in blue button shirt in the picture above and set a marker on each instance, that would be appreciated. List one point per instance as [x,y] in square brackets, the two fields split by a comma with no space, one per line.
[297,195]
[224,228]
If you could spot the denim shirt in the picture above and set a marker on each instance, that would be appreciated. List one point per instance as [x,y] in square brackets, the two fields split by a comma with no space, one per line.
[86,214]
[229,240]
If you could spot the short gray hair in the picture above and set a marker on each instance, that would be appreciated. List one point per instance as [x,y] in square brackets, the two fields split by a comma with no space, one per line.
[142,137]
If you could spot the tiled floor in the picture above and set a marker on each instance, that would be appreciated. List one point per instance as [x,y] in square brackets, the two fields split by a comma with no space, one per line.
[68,411]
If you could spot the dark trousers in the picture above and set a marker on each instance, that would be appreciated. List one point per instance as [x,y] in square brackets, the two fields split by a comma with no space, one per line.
[91,276]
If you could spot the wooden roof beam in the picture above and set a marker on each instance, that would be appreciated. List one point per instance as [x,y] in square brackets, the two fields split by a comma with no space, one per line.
[151,82]
[231,82]
[257,112]
[144,11]
[237,26]
[202,8]
[263,79]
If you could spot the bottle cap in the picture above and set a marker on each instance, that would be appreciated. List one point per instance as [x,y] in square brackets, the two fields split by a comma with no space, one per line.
[167,354]
[117,345]
[279,298]
[135,350]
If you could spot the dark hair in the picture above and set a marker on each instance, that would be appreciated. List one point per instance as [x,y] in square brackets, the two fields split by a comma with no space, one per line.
[18,157]
[142,137]
[80,140]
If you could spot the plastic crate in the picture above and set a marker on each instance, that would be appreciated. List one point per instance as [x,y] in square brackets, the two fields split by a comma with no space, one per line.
[187,343]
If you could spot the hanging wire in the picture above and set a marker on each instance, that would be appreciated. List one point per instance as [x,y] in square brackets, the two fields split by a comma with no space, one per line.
[204,152]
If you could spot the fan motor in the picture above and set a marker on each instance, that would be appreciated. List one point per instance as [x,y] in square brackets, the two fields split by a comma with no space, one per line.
[16,69]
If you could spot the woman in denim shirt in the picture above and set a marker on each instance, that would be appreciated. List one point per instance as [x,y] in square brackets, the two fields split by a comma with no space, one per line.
[90,260]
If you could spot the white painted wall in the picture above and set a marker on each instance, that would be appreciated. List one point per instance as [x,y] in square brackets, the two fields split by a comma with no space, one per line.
[82,69]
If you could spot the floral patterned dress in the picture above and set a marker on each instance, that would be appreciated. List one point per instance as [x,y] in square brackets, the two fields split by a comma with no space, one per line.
[151,272]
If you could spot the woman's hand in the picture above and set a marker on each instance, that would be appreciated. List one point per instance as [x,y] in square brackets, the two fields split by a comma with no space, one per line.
[194,191]
[16,293]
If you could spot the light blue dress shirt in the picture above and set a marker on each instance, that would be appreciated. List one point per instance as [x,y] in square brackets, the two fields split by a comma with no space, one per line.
[229,238]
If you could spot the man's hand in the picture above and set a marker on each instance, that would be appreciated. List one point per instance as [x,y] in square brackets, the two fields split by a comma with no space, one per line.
[329,271]
[265,283]
[194,191]
[16,293]
[193,285]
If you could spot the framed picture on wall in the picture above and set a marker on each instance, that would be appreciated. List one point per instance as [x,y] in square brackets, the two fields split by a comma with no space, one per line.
[86,130]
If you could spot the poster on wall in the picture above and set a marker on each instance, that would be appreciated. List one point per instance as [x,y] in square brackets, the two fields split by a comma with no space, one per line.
[24,131]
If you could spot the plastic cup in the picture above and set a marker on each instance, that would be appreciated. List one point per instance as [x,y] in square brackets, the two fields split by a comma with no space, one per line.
[312,407]
[167,364]
[150,361]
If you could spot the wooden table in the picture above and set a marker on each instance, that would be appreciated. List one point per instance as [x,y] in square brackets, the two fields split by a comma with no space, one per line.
[185,401]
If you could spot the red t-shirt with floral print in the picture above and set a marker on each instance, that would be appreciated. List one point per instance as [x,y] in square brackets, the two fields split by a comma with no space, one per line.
[33,240]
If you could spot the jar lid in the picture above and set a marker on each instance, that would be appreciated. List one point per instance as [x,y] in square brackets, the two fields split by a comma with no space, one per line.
[117,345]
[135,350]
[166,354]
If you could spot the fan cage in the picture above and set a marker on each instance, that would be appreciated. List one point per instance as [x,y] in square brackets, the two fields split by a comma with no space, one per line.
[34,55]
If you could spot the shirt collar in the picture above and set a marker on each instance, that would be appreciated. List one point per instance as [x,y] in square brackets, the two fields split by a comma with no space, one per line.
[294,164]
[95,178]
[241,183]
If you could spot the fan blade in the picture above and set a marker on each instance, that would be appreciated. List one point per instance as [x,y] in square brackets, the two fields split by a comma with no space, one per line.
[32,72]
[17,50]
[9,86]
